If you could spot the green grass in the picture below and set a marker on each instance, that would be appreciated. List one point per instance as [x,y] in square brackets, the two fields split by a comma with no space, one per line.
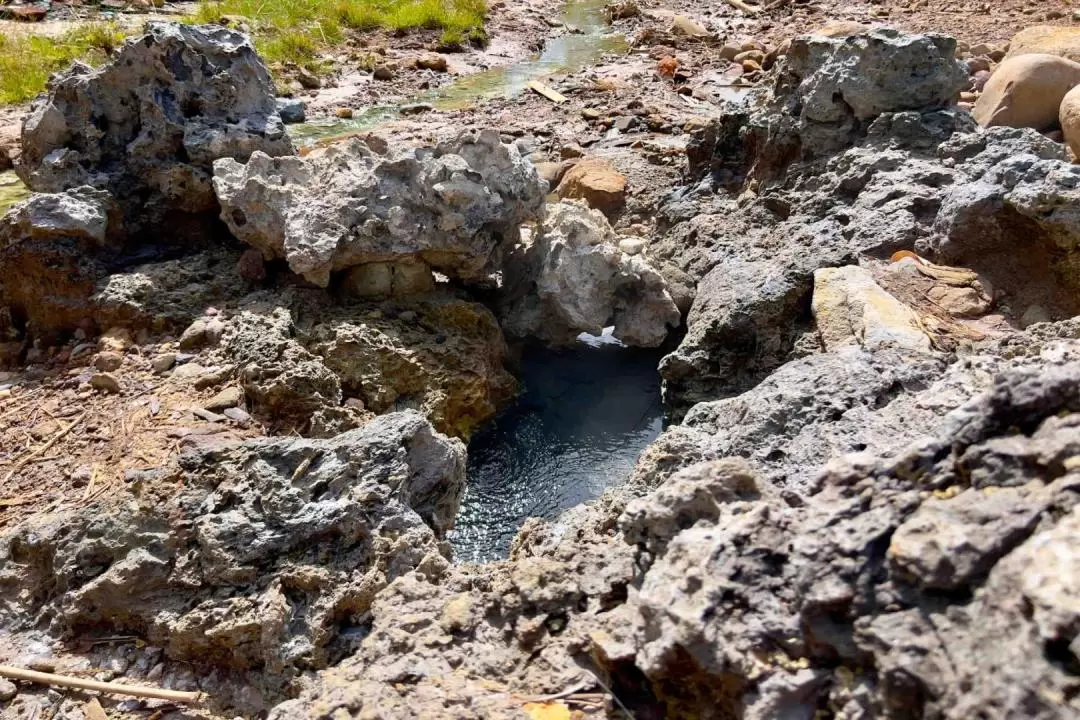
[26,61]
[284,31]
[297,30]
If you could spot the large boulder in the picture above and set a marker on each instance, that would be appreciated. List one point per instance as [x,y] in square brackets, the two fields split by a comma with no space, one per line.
[448,207]
[573,278]
[1026,91]
[835,85]
[148,126]
[255,555]
[1046,39]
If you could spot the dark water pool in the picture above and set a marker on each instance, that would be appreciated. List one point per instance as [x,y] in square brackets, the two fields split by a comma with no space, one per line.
[584,417]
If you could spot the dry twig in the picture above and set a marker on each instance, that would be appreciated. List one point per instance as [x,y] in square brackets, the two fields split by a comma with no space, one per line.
[104,687]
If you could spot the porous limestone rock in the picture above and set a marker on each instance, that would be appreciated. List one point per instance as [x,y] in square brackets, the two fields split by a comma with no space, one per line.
[148,125]
[719,596]
[1026,91]
[250,555]
[573,278]
[1069,118]
[439,355]
[448,207]
[842,83]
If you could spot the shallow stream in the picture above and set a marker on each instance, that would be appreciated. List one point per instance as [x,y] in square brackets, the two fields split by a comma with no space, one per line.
[588,39]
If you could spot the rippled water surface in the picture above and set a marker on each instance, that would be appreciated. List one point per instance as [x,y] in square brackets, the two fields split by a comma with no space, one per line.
[577,429]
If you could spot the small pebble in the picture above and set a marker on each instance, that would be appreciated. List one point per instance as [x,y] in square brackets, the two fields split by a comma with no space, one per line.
[106,382]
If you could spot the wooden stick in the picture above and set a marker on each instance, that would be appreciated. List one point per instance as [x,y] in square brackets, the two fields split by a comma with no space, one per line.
[105,687]
[740,5]
[541,89]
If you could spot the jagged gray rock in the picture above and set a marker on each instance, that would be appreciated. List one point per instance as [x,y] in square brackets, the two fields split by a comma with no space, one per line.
[572,278]
[449,206]
[248,555]
[148,125]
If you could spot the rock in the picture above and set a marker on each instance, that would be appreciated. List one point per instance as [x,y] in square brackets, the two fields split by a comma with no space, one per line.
[238,416]
[343,113]
[330,521]
[230,397]
[431,61]
[173,107]
[307,79]
[416,108]
[845,80]
[756,56]
[1046,40]
[25,13]
[203,332]
[596,182]
[386,280]
[49,247]
[108,361]
[682,25]
[582,282]
[448,206]
[8,691]
[291,110]
[384,71]
[850,308]
[163,363]
[1026,91]
[105,382]
[1069,117]
[979,80]
[963,302]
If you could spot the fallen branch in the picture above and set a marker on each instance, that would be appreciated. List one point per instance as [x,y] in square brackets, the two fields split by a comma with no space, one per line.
[541,89]
[105,687]
[740,5]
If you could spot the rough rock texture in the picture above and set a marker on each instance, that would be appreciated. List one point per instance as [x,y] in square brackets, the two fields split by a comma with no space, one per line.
[928,180]
[148,126]
[49,250]
[309,364]
[933,580]
[839,84]
[448,207]
[258,555]
[597,183]
[573,278]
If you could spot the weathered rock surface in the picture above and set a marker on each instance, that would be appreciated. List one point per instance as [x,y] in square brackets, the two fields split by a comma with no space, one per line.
[721,595]
[926,180]
[850,308]
[304,364]
[448,207]
[596,182]
[49,247]
[148,126]
[573,278]
[256,555]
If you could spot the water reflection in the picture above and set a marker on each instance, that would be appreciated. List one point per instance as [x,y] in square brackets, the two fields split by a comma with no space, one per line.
[589,40]
[585,416]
